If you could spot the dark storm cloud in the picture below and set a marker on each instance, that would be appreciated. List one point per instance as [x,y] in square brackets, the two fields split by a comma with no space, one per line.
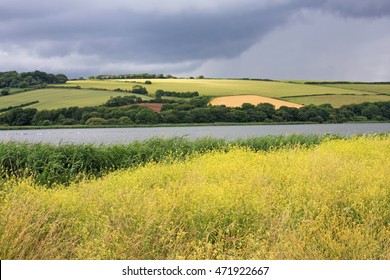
[119,30]
[359,8]
[145,37]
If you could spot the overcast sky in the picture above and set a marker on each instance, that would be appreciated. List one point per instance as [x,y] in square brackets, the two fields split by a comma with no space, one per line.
[278,39]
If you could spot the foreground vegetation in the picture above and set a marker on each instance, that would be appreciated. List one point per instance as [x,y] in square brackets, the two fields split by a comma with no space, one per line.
[330,201]
[51,165]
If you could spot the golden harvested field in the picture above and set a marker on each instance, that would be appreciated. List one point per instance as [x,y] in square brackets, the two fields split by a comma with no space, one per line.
[326,202]
[238,100]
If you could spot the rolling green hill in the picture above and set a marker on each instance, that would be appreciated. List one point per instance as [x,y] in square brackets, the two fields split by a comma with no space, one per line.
[218,87]
[91,92]
[60,98]
[336,94]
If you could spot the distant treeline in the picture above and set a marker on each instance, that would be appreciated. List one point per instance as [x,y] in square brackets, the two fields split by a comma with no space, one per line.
[118,101]
[345,82]
[188,94]
[131,76]
[13,79]
[196,110]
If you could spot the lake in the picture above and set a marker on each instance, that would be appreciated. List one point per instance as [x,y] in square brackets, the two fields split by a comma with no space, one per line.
[125,135]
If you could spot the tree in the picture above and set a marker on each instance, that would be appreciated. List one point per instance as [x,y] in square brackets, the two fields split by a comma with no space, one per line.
[23,84]
[371,111]
[125,120]
[19,116]
[268,109]
[202,115]
[5,92]
[96,121]
[200,101]
[139,89]
[146,116]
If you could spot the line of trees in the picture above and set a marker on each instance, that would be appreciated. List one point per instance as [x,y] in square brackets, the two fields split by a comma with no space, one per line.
[13,79]
[118,101]
[195,111]
[189,94]
[132,76]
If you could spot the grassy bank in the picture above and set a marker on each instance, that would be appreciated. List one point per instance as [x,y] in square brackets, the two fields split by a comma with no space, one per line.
[329,201]
[49,164]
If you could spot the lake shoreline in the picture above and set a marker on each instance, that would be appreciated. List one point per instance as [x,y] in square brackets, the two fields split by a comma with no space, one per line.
[123,135]
[178,125]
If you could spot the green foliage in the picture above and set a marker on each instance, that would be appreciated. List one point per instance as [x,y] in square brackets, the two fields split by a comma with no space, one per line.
[188,94]
[5,92]
[139,89]
[96,121]
[30,79]
[18,117]
[146,116]
[132,76]
[122,101]
[195,112]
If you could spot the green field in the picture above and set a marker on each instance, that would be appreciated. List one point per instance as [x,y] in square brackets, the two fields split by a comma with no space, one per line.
[338,100]
[59,98]
[217,87]
[367,88]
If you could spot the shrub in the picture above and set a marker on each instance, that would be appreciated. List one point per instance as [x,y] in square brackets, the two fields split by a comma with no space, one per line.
[96,121]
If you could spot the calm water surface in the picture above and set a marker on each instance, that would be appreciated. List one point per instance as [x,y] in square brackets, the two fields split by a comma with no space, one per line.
[126,135]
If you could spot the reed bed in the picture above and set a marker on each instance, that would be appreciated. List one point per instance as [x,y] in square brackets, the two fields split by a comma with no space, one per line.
[50,165]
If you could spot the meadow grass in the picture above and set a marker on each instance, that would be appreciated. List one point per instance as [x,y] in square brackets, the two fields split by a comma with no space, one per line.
[329,201]
[55,98]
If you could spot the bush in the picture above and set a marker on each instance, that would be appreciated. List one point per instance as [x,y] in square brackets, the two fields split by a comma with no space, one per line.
[96,121]
[46,123]
[5,92]
[139,89]
[125,120]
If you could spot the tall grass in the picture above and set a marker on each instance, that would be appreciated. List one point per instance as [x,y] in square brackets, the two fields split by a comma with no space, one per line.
[62,164]
[329,201]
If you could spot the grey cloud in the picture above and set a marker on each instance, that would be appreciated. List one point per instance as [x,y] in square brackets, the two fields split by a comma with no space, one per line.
[148,37]
[362,8]
[117,33]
